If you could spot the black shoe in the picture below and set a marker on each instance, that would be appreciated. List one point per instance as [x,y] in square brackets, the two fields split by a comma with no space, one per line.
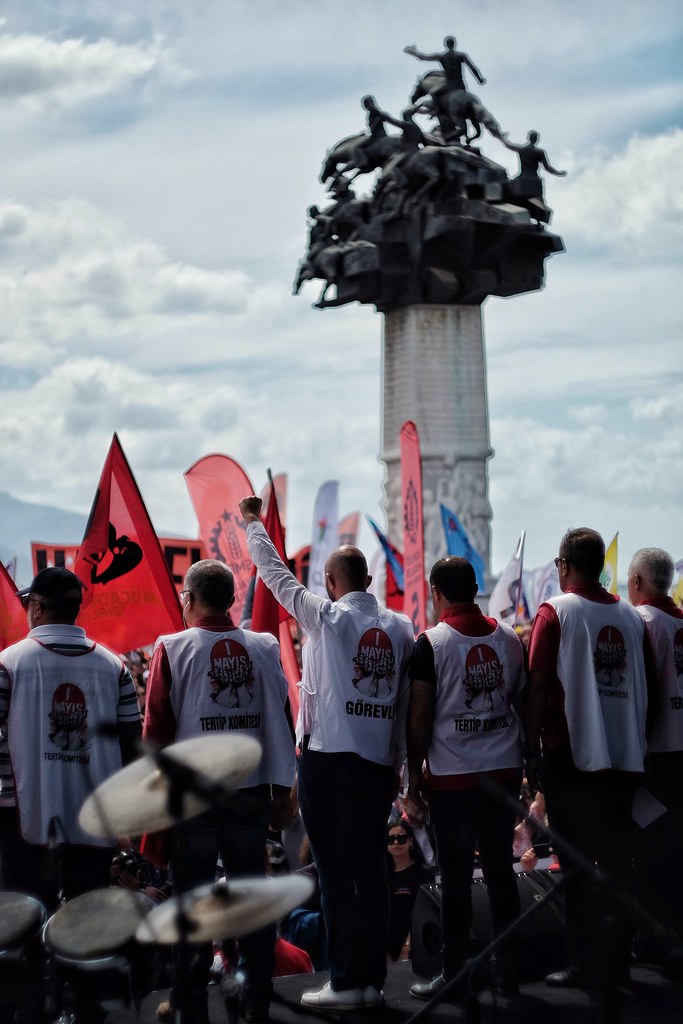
[567,977]
[429,989]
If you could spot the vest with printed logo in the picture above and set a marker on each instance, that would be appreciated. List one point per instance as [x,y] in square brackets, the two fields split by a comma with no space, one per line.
[601,668]
[232,683]
[58,702]
[666,714]
[477,678]
[358,668]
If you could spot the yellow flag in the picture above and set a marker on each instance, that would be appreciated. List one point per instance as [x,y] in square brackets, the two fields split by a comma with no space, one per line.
[608,576]
[677,592]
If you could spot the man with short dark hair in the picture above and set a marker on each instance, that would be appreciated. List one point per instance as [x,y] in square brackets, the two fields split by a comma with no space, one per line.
[467,672]
[214,677]
[354,692]
[650,576]
[57,688]
[587,698]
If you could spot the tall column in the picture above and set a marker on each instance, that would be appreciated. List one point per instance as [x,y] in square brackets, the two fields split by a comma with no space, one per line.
[434,373]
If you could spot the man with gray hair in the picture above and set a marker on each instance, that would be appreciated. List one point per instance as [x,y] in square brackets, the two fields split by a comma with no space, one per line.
[650,575]
[214,677]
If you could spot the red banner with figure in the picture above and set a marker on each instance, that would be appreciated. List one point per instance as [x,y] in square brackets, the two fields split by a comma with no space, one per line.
[180,553]
[217,484]
[129,598]
[414,601]
[13,624]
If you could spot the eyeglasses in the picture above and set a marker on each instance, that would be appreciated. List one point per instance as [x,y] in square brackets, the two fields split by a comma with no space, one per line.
[402,838]
[26,601]
[559,559]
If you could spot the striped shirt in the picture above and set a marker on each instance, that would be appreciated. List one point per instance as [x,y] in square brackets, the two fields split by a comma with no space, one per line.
[70,641]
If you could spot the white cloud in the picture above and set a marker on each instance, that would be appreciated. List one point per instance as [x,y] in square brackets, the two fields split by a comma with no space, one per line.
[655,408]
[42,72]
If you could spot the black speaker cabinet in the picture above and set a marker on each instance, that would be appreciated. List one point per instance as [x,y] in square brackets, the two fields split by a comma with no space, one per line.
[541,938]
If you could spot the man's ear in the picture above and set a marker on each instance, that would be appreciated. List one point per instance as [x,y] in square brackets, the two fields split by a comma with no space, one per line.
[231,602]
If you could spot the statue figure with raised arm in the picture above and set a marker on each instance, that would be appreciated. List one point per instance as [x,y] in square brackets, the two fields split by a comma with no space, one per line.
[528,183]
[451,60]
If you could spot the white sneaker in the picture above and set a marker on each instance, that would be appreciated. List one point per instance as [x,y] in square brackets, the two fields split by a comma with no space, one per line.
[372,997]
[327,998]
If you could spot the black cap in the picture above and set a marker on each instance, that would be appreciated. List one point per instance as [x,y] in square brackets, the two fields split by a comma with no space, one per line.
[55,584]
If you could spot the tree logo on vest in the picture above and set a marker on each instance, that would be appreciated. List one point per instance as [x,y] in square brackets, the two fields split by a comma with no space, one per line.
[678,652]
[609,657]
[374,664]
[483,677]
[231,675]
[68,718]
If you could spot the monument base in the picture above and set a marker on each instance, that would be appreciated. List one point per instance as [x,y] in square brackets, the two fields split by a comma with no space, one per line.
[434,373]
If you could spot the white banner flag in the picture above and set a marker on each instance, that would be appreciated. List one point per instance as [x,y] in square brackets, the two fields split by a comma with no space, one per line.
[325,537]
[506,595]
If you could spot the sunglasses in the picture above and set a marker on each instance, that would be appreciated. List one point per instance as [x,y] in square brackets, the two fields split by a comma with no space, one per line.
[401,839]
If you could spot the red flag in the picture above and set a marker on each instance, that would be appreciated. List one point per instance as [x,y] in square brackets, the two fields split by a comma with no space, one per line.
[129,598]
[268,616]
[13,624]
[414,605]
[217,484]
[280,484]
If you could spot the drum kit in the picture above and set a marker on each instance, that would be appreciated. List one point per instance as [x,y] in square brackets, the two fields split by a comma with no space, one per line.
[99,947]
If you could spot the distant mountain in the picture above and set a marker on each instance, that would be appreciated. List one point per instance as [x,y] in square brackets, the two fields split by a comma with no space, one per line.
[22,522]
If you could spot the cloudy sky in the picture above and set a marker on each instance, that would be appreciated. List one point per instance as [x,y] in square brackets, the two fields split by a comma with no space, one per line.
[157,162]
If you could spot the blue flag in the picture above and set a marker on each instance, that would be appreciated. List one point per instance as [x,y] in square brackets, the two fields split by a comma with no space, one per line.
[390,554]
[458,543]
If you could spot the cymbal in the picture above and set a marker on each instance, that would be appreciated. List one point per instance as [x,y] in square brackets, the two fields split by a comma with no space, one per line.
[221,911]
[135,799]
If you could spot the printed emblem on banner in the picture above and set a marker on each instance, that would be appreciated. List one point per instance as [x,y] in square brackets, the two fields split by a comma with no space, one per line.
[119,558]
[609,657]
[483,677]
[374,664]
[225,542]
[68,718]
[231,675]
[410,512]
[678,652]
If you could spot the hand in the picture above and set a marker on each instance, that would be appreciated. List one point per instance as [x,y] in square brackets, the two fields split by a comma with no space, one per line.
[528,860]
[414,805]
[250,509]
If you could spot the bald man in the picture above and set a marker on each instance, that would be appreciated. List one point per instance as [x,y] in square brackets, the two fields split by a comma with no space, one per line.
[351,734]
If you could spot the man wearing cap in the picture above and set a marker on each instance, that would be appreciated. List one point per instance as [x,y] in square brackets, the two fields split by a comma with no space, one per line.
[58,693]
[587,696]
[467,673]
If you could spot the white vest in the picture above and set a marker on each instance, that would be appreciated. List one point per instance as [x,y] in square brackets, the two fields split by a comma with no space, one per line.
[666,636]
[57,703]
[477,679]
[355,669]
[232,682]
[600,666]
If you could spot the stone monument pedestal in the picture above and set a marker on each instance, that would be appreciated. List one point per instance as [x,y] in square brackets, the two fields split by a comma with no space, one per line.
[434,373]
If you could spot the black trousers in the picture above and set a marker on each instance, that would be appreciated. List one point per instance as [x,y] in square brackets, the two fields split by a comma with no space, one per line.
[592,810]
[345,803]
[43,873]
[463,821]
[238,834]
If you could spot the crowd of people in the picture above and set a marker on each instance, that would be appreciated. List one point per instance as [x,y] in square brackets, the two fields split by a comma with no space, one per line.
[461,737]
